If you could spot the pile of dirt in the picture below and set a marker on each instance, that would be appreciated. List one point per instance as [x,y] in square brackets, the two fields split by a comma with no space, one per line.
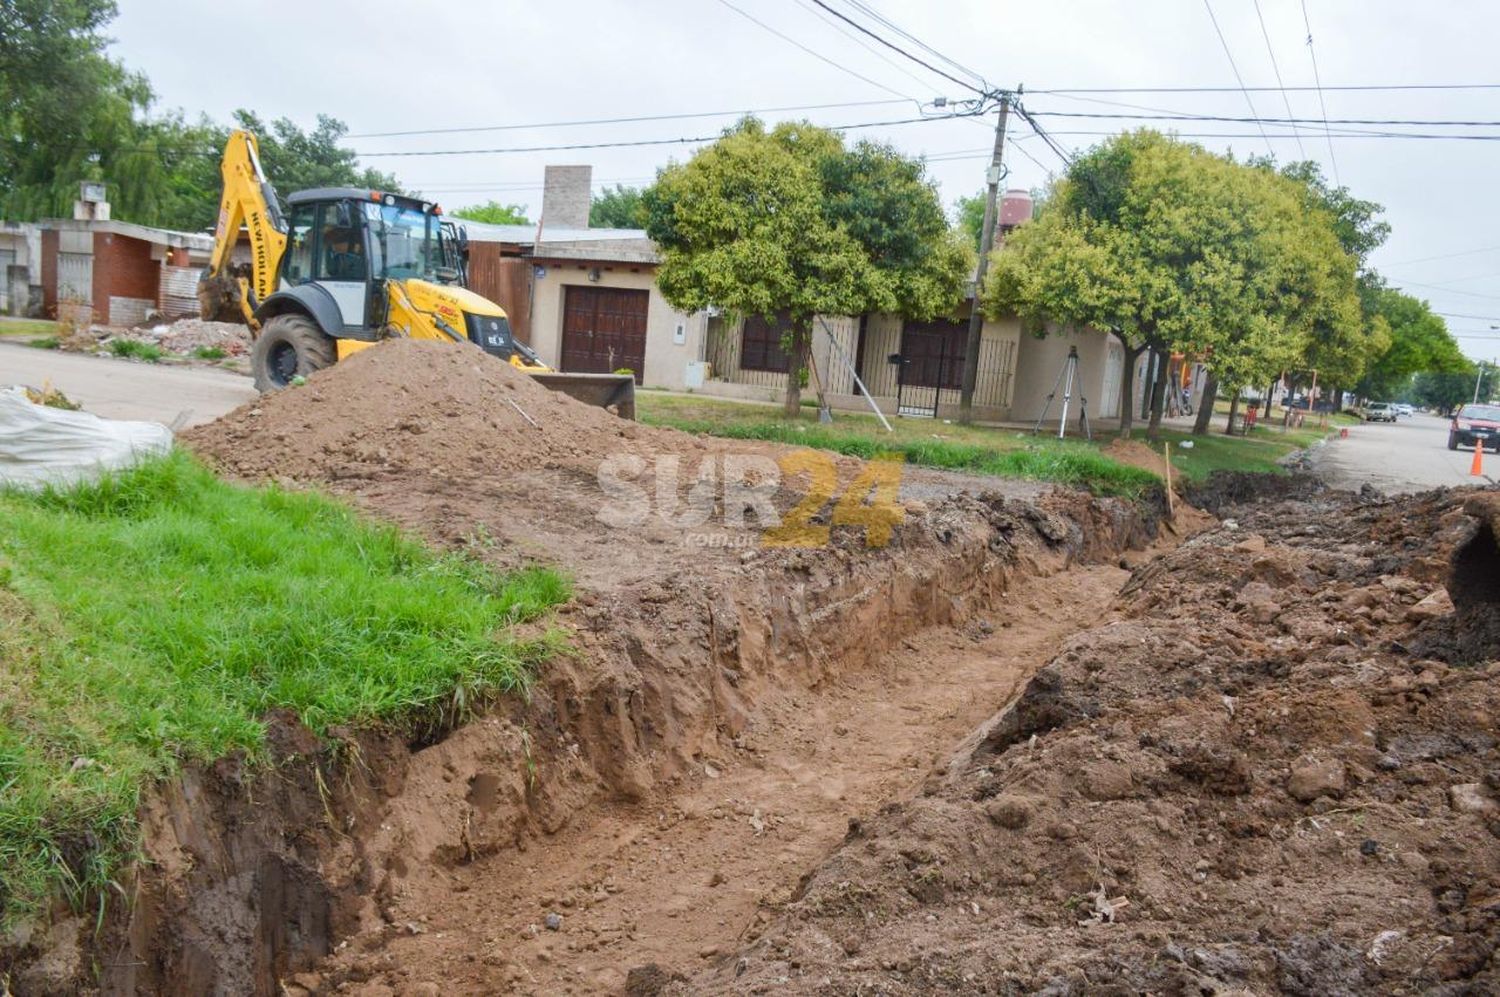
[1279,771]
[409,404]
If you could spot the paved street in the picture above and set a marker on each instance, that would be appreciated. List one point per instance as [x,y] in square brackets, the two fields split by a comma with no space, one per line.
[1409,456]
[123,389]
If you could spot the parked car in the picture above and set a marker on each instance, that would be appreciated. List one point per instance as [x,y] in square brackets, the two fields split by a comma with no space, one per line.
[1403,409]
[1378,412]
[1472,421]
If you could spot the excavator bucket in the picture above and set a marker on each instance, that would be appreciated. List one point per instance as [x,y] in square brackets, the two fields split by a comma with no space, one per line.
[614,392]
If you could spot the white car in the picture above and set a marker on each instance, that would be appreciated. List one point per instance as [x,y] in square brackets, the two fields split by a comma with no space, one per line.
[1378,412]
[1403,409]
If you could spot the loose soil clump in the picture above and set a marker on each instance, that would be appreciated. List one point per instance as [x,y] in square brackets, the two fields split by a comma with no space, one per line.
[1277,771]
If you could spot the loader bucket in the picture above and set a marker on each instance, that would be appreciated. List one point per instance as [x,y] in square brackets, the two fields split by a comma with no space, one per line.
[608,391]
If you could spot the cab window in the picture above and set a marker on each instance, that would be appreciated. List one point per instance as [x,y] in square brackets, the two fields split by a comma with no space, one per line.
[301,236]
[341,249]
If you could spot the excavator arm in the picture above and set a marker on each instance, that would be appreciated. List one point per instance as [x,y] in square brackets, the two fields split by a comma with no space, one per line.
[249,202]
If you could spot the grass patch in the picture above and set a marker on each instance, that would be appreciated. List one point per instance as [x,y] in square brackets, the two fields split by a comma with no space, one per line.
[210,353]
[154,617]
[27,327]
[45,343]
[137,350]
[977,450]
[1260,451]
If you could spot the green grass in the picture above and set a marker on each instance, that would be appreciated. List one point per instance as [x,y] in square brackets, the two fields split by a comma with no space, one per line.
[1260,451]
[136,349]
[977,450]
[45,343]
[154,617]
[27,327]
[210,353]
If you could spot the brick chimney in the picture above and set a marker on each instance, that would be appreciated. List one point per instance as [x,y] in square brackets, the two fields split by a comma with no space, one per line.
[565,196]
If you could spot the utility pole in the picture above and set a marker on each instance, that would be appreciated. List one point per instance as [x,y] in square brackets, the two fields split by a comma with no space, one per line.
[1477,381]
[986,243]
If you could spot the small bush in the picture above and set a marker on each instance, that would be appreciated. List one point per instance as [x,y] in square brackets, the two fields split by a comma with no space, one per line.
[210,353]
[136,350]
[45,343]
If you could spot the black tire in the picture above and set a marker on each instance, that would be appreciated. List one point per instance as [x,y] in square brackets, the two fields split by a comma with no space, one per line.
[1452,440]
[289,346]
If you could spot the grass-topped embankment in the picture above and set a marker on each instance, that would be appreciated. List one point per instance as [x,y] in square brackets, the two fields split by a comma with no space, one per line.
[977,450]
[155,617]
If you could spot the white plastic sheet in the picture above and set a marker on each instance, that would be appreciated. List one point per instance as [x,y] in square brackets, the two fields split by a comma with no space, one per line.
[41,445]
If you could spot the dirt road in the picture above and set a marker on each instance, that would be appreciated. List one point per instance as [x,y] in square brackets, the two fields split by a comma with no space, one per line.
[1410,455]
[124,389]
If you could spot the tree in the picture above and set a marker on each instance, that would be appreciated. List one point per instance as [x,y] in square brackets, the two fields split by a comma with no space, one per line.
[618,207]
[970,212]
[1174,249]
[494,213]
[1418,343]
[1447,391]
[792,220]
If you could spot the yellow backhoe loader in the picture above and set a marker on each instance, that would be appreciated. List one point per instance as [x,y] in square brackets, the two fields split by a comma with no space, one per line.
[341,269]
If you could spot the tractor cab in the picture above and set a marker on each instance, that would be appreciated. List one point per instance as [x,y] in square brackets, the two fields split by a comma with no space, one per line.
[349,243]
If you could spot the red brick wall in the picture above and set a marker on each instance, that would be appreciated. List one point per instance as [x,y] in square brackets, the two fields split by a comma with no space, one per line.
[49,273]
[123,268]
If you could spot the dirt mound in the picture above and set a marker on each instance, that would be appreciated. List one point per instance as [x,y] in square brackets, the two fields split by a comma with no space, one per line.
[189,334]
[409,404]
[1250,783]
[1226,489]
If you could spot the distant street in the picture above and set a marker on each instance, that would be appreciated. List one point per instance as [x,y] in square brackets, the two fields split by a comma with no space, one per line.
[1410,456]
[121,389]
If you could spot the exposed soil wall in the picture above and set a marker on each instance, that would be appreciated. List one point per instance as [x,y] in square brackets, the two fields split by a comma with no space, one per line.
[257,873]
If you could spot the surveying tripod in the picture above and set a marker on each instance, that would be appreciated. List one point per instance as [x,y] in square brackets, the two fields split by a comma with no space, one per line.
[1065,378]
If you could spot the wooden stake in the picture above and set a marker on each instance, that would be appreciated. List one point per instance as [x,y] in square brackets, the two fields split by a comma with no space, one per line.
[1166,451]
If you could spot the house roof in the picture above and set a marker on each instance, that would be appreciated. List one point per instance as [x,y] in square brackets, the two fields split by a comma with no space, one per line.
[159,236]
[624,245]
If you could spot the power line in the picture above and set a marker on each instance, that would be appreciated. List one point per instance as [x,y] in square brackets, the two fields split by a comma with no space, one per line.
[1445,256]
[1260,89]
[1230,56]
[880,18]
[636,119]
[1041,133]
[1426,136]
[1188,116]
[1322,105]
[820,15]
[645,142]
[897,48]
[1448,290]
[816,55]
[1271,51]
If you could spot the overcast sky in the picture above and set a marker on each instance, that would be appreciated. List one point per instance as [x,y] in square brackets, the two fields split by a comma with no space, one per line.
[384,66]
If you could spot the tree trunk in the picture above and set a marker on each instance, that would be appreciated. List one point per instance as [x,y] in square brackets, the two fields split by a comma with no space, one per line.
[792,407]
[1206,405]
[1158,396]
[1127,389]
[1234,409]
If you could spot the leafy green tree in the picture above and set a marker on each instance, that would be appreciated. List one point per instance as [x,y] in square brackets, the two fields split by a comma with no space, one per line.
[494,213]
[970,212]
[67,111]
[1174,249]
[791,219]
[1447,391]
[618,207]
[1419,342]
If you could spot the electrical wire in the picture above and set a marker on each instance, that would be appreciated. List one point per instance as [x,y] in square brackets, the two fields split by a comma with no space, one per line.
[816,55]
[1187,116]
[897,48]
[645,142]
[1230,56]
[835,25]
[1322,105]
[1271,51]
[1445,256]
[870,11]
[637,119]
[1259,89]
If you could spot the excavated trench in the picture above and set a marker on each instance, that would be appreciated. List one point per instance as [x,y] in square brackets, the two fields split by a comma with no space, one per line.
[254,877]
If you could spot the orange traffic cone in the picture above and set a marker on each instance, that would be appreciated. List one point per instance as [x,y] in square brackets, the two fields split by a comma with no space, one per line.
[1477,468]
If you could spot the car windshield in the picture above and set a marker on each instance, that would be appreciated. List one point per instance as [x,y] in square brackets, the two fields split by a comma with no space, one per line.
[403,241]
[1488,413]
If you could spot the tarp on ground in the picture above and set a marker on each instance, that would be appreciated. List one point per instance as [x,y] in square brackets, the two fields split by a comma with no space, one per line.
[40,445]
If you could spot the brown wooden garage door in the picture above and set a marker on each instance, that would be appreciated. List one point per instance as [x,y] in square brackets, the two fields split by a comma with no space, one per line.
[604,329]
